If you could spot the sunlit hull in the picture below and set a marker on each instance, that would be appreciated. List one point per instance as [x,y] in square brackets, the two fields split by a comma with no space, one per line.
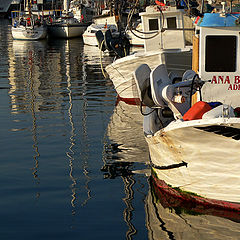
[66,30]
[199,156]
[121,71]
[90,39]
[23,33]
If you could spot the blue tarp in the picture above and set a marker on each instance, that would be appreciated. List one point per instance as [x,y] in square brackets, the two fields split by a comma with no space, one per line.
[216,20]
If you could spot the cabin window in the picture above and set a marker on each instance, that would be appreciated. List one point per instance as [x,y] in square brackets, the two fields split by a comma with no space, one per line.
[220,55]
[153,24]
[172,22]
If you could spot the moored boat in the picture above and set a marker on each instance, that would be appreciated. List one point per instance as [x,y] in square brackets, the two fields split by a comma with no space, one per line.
[89,35]
[163,33]
[69,26]
[193,131]
[26,26]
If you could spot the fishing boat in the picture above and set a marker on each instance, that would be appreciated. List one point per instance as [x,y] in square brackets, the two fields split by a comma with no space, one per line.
[89,35]
[69,26]
[163,30]
[192,122]
[26,26]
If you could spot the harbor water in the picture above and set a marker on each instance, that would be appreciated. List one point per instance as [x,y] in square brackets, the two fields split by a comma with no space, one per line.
[74,163]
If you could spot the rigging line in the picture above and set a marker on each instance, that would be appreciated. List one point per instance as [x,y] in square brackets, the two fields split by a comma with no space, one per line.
[144,33]
[101,63]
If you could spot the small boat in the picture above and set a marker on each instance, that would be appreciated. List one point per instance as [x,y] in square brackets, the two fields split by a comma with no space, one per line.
[69,26]
[162,33]
[89,36]
[26,26]
[192,122]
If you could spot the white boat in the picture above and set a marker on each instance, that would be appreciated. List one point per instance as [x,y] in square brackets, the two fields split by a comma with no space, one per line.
[21,32]
[69,26]
[164,33]
[195,147]
[26,26]
[89,35]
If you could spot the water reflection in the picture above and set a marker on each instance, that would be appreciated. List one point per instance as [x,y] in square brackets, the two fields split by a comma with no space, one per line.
[170,218]
[126,146]
[51,81]
[125,130]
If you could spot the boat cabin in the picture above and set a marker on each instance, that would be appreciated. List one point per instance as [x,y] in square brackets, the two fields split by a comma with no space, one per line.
[163,27]
[216,56]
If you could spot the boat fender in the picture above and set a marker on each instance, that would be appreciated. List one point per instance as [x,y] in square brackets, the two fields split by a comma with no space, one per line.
[197,111]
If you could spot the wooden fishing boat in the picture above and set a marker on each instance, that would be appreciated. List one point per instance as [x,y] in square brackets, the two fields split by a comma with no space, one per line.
[163,30]
[193,131]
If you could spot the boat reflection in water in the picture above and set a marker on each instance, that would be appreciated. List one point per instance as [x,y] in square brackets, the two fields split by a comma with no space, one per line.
[170,216]
[123,154]
[125,130]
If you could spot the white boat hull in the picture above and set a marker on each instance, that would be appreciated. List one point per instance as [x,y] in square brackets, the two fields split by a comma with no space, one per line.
[121,71]
[23,33]
[90,39]
[66,30]
[212,157]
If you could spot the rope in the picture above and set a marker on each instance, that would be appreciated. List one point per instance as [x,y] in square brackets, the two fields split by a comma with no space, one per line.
[103,72]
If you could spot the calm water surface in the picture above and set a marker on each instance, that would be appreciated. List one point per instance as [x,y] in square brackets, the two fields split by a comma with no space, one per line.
[72,162]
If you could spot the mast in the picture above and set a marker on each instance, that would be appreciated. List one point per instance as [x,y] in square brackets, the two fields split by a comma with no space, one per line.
[66,6]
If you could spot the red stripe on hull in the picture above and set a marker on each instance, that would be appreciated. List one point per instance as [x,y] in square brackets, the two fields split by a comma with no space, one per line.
[170,197]
[130,101]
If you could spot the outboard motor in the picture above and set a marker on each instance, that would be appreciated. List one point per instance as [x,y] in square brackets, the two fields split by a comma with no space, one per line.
[120,45]
[100,39]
